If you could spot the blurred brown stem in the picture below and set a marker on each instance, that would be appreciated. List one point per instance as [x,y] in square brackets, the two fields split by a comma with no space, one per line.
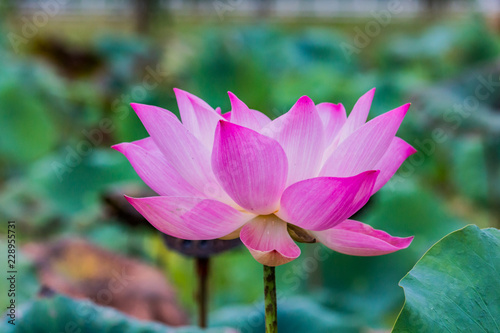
[144,11]
[202,269]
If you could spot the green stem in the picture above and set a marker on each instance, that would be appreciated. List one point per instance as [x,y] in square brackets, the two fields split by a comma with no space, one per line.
[270,299]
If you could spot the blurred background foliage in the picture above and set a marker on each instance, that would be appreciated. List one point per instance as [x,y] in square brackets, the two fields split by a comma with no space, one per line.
[64,94]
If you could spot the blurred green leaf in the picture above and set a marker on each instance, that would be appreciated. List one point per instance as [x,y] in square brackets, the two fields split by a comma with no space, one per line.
[63,314]
[469,168]
[295,314]
[455,285]
[74,178]
[28,131]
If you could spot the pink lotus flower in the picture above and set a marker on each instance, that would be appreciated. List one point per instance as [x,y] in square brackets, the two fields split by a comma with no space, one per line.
[239,174]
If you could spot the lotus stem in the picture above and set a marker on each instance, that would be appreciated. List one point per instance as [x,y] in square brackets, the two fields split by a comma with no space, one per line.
[270,299]
[202,267]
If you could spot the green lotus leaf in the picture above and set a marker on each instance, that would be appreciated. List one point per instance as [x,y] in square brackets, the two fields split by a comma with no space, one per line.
[455,286]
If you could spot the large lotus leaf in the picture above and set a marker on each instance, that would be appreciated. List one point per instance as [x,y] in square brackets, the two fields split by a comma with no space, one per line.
[63,314]
[455,286]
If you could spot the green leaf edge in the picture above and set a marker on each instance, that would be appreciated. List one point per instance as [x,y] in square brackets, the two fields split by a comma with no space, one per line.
[399,283]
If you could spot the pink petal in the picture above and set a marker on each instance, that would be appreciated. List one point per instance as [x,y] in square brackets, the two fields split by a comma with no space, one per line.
[148,144]
[300,133]
[260,118]
[396,154]
[190,218]
[333,117]
[268,240]
[181,149]
[251,167]
[154,169]
[321,203]
[363,149]
[197,116]
[359,239]
[243,116]
[358,115]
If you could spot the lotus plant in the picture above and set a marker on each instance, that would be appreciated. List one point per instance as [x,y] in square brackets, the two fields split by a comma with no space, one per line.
[299,177]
